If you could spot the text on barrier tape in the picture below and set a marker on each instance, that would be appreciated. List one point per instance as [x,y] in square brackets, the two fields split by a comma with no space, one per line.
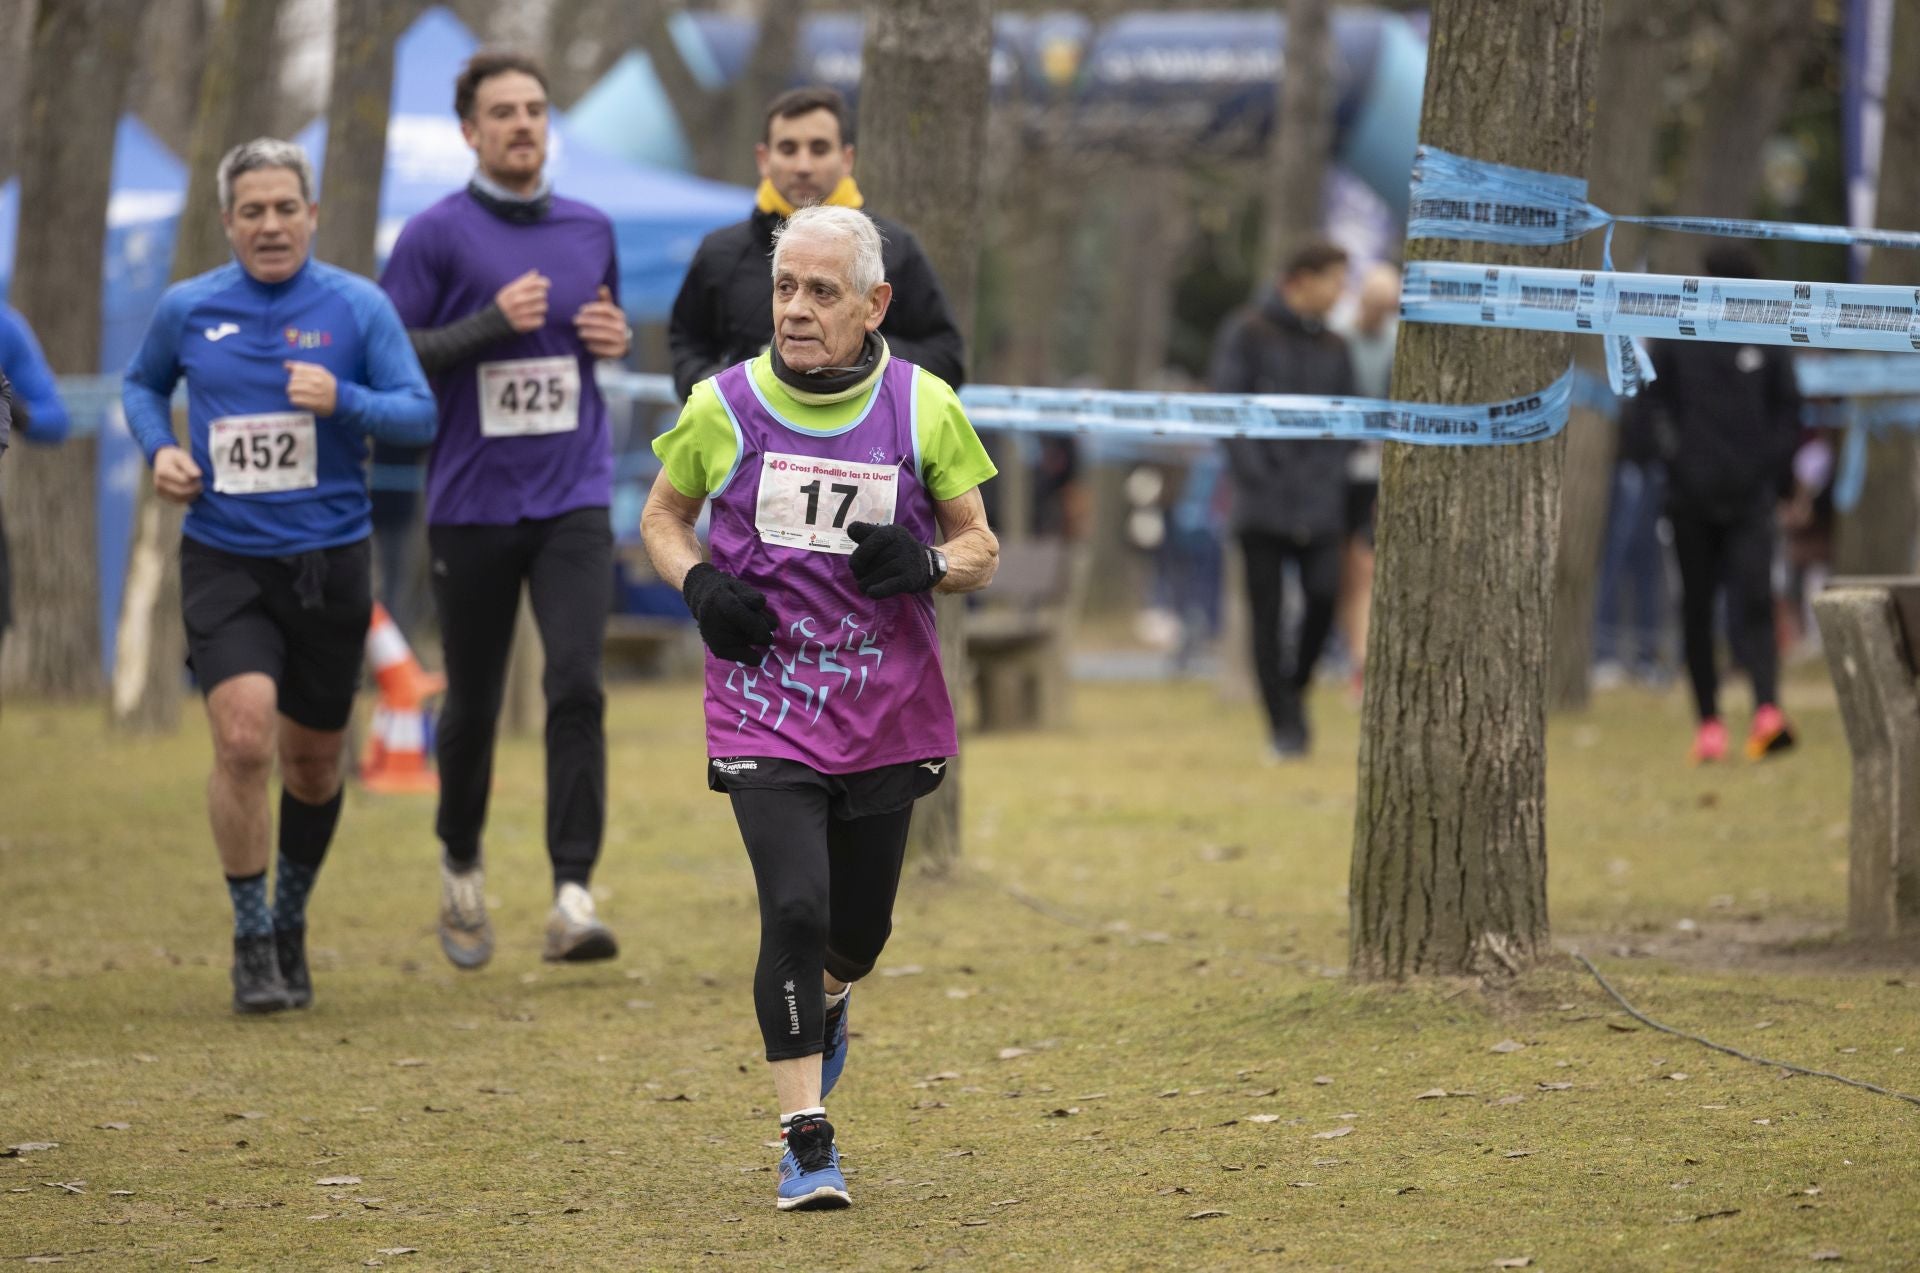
[1667,306]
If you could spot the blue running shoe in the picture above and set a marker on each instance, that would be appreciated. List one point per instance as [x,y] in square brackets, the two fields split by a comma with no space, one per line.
[810,1178]
[834,1059]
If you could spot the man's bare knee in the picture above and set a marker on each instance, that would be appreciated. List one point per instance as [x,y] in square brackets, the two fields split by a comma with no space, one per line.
[242,719]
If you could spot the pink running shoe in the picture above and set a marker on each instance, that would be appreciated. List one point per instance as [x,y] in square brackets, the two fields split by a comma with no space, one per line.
[1710,743]
[1771,733]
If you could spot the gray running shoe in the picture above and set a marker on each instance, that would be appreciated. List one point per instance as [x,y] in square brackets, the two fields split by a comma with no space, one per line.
[466,934]
[257,985]
[574,933]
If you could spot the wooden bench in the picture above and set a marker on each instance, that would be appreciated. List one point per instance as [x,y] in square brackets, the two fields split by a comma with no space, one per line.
[1870,629]
[1017,639]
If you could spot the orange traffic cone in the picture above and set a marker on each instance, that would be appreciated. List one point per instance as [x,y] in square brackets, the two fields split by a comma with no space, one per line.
[396,754]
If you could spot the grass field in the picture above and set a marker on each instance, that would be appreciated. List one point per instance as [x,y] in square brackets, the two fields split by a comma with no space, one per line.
[1149,912]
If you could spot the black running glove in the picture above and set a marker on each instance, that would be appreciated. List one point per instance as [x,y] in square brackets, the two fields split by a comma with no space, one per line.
[890,561]
[731,612]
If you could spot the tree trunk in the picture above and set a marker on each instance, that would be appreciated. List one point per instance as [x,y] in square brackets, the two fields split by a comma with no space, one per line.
[1302,136]
[79,59]
[150,645]
[165,89]
[585,38]
[1449,861]
[16,42]
[1742,105]
[923,108]
[357,108]
[766,74]
[1877,537]
[1635,53]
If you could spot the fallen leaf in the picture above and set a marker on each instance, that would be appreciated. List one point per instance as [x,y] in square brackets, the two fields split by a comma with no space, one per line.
[203,1259]
[1321,1080]
[1405,1189]
[1431,1094]
[398,1250]
[1518,1153]
[67,1186]
[1009,1202]
[1009,1054]
[1172,1189]
[1763,1122]
[1062,1113]
[31,1147]
[246,1114]
[114,1127]
[1335,1134]
[1678,1077]
[1826,1255]
[121,1193]
[1553,1087]
[1206,1215]
[1303,1184]
[1511,1099]
[411,1062]
[1263,1118]
[1172,1091]
[338,1180]
[942,1077]
[1622,1027]
[1517,1262]
[1507,1045]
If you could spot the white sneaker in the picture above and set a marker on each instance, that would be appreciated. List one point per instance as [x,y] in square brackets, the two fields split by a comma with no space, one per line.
[466,934]
[574,932]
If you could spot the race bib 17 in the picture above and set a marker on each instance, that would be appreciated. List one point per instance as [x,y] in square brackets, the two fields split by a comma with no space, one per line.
[806,502]
[263,454]
[529,396]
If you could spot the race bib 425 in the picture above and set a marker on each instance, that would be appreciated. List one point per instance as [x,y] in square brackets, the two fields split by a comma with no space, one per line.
[808,503]
[527,396]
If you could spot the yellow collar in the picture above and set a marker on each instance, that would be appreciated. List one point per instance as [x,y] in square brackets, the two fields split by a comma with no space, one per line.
[845,195]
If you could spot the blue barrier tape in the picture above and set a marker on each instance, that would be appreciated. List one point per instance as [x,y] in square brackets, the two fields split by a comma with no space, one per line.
[1858,375]
[1455,197]
[1214,415]
[1666,306]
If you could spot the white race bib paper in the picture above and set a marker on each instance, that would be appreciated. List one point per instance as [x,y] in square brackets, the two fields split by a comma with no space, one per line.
[807,502]
[523,397]
[263,454]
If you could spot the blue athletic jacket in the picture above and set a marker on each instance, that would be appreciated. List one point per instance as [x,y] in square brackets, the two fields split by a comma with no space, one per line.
[231,336]
[36,397]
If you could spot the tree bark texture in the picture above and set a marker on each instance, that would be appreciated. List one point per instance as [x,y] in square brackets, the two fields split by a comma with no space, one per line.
[357,107]
[165,89]
[1878,536]
[1636,46]
[1302,136]
[1449,862]
[235,98]
[922,151]
[766,74]
[80,54]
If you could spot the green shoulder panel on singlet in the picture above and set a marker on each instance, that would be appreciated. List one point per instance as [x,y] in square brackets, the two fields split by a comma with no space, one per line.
[699,450]
[952,460]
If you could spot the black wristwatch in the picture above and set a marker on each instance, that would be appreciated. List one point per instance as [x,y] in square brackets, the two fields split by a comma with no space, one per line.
[937,563]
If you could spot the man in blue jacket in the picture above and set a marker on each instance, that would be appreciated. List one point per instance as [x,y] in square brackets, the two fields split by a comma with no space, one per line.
[291,367]
[36,414]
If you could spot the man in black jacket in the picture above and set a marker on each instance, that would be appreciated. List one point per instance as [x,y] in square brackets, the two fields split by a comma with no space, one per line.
[1289,498]
[724,313]
[1729,415]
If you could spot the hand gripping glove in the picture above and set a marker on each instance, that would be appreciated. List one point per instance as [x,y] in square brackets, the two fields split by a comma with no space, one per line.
[890,561]
[731,612]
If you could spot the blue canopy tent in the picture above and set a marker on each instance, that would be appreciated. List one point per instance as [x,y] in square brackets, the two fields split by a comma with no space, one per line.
[659,216]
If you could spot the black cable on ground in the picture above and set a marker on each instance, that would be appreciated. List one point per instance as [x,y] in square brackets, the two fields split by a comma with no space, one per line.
[1646,1020]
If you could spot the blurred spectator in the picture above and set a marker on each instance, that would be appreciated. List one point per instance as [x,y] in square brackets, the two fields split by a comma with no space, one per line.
[36,414]
[1732,413]
[1630,617]
[1289,497]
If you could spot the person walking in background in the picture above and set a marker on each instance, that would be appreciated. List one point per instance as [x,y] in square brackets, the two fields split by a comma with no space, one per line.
[1630,615]
[1730,415]
[1289,497]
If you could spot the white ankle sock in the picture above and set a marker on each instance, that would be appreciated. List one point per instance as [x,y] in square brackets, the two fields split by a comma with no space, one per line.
[788,1120]
[834,1001]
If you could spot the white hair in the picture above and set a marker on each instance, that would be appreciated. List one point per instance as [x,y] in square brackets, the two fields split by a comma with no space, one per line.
[847,228]
[263,152]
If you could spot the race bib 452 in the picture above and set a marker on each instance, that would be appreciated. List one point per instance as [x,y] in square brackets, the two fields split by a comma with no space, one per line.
[263,454]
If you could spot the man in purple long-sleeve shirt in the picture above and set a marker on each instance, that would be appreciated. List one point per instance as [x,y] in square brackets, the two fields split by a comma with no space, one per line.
[510,295]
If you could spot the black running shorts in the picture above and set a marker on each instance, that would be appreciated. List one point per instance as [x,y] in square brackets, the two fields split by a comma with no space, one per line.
[300,620]
[887,789]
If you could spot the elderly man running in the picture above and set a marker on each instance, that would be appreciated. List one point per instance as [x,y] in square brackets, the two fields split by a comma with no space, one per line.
[830,466]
